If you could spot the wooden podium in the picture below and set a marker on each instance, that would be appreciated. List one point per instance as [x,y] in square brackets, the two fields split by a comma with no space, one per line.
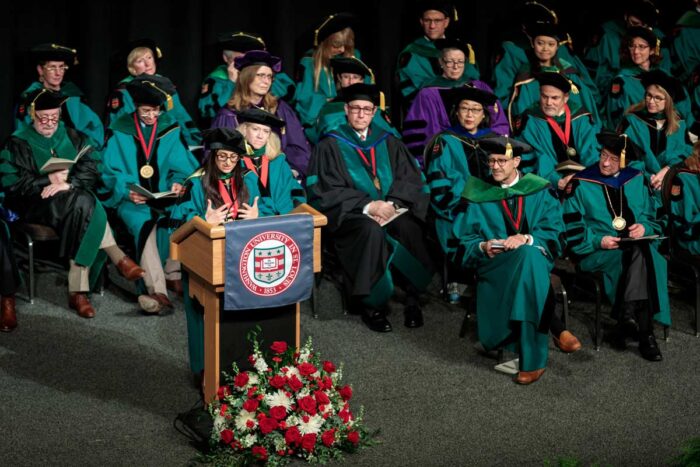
[201,248]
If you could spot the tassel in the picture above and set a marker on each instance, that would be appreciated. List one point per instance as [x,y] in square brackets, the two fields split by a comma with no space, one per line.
[382,101]
[169,101]
[472,55]
[623,152]
[31,110]
[454,10]
[509,150]
[574,88]
[657,49]
[159,54]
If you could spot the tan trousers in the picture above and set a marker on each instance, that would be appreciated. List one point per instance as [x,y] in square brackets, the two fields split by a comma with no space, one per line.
[78,276]
[156,274]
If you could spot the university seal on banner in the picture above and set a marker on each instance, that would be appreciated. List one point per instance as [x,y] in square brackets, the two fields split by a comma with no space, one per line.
[269,263]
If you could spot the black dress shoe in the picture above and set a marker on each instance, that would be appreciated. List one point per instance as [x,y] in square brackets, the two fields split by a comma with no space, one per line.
[631,329]
[413,316]
[376,320]
[649,349]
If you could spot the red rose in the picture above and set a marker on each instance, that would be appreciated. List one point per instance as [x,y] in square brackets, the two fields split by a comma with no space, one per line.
[223,409]
[345,392]
[345,415]
[251,359]
[321,398]
[306,369]
[292,436]
[283,425]
[279,347]
[278,381]
[328,437]
[226,436]
[328,367]
[278,412]
[222,392]
[325,383]
[241,380]
[294,383]
[268,425]
[260,452]
[276,359]
[250,424]
[308,442]
[251,405]
[307,404]
[354,437]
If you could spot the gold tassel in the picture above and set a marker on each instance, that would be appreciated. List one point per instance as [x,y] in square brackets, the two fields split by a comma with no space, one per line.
[382,101]
[623,152]
[159,54]
[509,150]
[169,100]
[454,10]
[248,148]
[472,55]
[574,88]
[31,110]
[657,49]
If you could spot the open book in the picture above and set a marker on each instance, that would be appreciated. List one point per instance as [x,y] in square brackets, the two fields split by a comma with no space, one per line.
[399,211]
[646,237]
[150,195]
[59,163]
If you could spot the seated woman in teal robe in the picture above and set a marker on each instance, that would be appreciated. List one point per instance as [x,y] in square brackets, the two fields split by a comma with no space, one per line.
[684,199]
[52,63]
[641,53]
[141,57]
[145,152]
[219,85]
[61,196]
[655,125]
[218,193]
[334,37]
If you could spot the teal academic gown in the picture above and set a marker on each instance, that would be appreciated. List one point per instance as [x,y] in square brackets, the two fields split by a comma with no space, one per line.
[217,89]
[588,216]
[76,114]
[417,64]
[513,286]
[123,157]
[548,148]
[684,212]
[121,103]
[686,45]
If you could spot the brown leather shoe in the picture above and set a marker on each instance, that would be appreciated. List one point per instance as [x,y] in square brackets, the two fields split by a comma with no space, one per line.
[174,286]
[129,269]
[567,342]
[529,377]
[162,299]
[8,314]
[80,303]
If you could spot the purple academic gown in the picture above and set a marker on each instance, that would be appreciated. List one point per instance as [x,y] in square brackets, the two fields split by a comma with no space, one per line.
[294,143]
[428,117]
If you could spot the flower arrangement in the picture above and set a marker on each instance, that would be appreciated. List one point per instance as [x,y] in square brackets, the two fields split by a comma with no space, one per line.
[291,405]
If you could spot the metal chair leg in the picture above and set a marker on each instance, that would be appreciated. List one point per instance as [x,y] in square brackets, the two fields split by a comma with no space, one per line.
[314,296]
[596,340]
[32,280]
[697,300]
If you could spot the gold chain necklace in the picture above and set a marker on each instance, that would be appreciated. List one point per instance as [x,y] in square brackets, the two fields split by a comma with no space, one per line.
[619,223]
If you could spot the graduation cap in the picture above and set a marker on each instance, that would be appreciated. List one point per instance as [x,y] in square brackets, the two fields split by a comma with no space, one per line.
[620,145]
[54,53]
[537,12]
[353,65]
[647,35]
[645,10]
[456,95]
[504,145]
[360,92]
[553,78]
[224,138]
[546,29]
[240,41]
[43,99]
[332,24]
[447,9]
[262,117]
[152,90]
[258,57]
[671,85]
[569,167]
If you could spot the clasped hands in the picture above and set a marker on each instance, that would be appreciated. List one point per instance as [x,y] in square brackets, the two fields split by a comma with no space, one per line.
[511,243]
[381,211]
[58,182]
[609,242]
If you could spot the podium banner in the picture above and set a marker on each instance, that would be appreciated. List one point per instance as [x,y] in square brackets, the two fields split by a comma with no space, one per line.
[269,261]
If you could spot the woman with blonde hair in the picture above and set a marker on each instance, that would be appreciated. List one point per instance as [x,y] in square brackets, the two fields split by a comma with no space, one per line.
[333,38]
[257,69]
[655,125]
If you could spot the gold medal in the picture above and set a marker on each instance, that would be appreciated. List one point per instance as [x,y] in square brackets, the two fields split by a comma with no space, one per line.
[377,185]
[619,223]
[571,152]
[146,171]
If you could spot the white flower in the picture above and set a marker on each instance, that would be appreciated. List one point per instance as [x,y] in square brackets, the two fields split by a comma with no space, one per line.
[249,440]
[293,371]
[253,380]
[303,393]
[260,365]
[278,398]
[293,420]
[312,426]
[219,423]
[242,420]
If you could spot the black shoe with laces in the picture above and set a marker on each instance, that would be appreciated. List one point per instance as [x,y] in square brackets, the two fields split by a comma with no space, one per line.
[649,348]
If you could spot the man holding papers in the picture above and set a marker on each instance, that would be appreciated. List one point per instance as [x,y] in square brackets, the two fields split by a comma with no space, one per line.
[608,210]
[63,198]
[359,177]
[145,149]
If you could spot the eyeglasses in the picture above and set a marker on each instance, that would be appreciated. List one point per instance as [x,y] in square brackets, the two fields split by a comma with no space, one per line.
[223,157]
[433,21]
[46,119]
[499,162]
[337,44]
[471,110]
[604,156]
[454,63]
[56,68]
[356,109]
[150,113]
[269,76]
[637,47]
[656,99]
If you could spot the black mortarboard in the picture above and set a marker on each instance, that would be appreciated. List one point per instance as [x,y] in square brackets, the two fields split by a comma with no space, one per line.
[152,90]
[240,41]
[123,54]
[447,9]
[350,65]
[43,99]
[553,78]
[54,53]
[360,92]
[620,145]
[504,145]
[332,24]
[645,10]
[646,34]
[263,117]
[458,94]
[224,138]
[537,12]
[258,57]
[671,85]
[545,29]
